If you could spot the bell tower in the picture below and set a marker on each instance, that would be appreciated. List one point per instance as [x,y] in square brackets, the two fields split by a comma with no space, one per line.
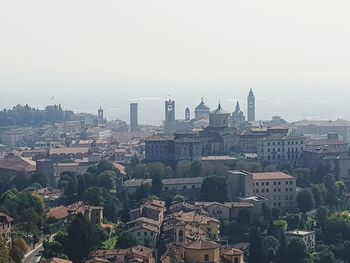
[251,106]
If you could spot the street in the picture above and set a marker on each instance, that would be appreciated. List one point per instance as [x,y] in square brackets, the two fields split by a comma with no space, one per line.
[34,255]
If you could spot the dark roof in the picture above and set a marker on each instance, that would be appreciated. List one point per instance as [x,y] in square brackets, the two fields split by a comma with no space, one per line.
[5,218]
[160,138]
[219,110]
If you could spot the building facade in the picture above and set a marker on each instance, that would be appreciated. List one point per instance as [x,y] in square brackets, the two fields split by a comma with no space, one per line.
[278,188]
[169,148]
[219,118]
[279,149]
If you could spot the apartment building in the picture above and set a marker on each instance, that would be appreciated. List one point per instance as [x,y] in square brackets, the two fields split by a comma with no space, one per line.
[279,188]
[279,149]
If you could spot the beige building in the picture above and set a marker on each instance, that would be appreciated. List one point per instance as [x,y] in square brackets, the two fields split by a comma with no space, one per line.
[201,251]
[278,188]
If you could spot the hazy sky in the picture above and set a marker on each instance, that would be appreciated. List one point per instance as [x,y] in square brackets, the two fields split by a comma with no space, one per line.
[84,51]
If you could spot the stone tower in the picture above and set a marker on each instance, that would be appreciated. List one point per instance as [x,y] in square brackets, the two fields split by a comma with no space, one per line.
[170,122]
[133,116]
[100,118]
[238,118]
[187,114]
[251,106]
[179,235]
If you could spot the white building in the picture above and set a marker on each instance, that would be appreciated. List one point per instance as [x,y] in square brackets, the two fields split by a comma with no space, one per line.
[309,237]
[279,148]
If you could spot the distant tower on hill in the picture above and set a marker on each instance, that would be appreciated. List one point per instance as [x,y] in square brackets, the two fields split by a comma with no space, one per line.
[100,118]
[169,123]
[237,117]
[251,106]
[187,114]
[133,117]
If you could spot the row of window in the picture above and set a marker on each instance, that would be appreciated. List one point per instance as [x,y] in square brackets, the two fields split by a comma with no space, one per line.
[145,234]
[288,150]
[184,187]
[280,143]
[289,157]
[257,191]
[274,183]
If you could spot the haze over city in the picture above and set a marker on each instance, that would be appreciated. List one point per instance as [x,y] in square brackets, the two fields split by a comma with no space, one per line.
[116,52]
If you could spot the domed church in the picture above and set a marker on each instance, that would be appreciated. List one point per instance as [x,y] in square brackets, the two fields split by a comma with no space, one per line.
[202,111]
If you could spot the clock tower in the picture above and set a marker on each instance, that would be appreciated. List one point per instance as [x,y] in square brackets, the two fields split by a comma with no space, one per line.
[251,106]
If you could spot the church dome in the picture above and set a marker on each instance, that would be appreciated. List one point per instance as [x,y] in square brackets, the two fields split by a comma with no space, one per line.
[202,107]
[218,111]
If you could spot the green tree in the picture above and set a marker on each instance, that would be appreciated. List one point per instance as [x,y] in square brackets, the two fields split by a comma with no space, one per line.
[337,227]
[214,188]
[94,196]
[97,235]
[125,240]
[183,168]
[305,200]
[142,193]
[29,219]
[270,247]
[296,251]
[77,244]
[157,185]
[303,176]
[16,254]
[332,193]
[196,169]
[5,256]
[324,256]
[321,216]
[320,194]
[322,169]
[52,249]
[256,249]
[107,180]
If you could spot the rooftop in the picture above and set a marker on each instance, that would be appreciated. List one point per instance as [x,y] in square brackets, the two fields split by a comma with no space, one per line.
[160,138]
[201,244]
[329,123]
[300,233]
[271,176]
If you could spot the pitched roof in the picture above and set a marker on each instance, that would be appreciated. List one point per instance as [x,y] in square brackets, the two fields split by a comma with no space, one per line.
[70,150]
[5,218]
[201,244]
[329,123]
[160,138]
[56,260]
[232,252]
[271,176]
